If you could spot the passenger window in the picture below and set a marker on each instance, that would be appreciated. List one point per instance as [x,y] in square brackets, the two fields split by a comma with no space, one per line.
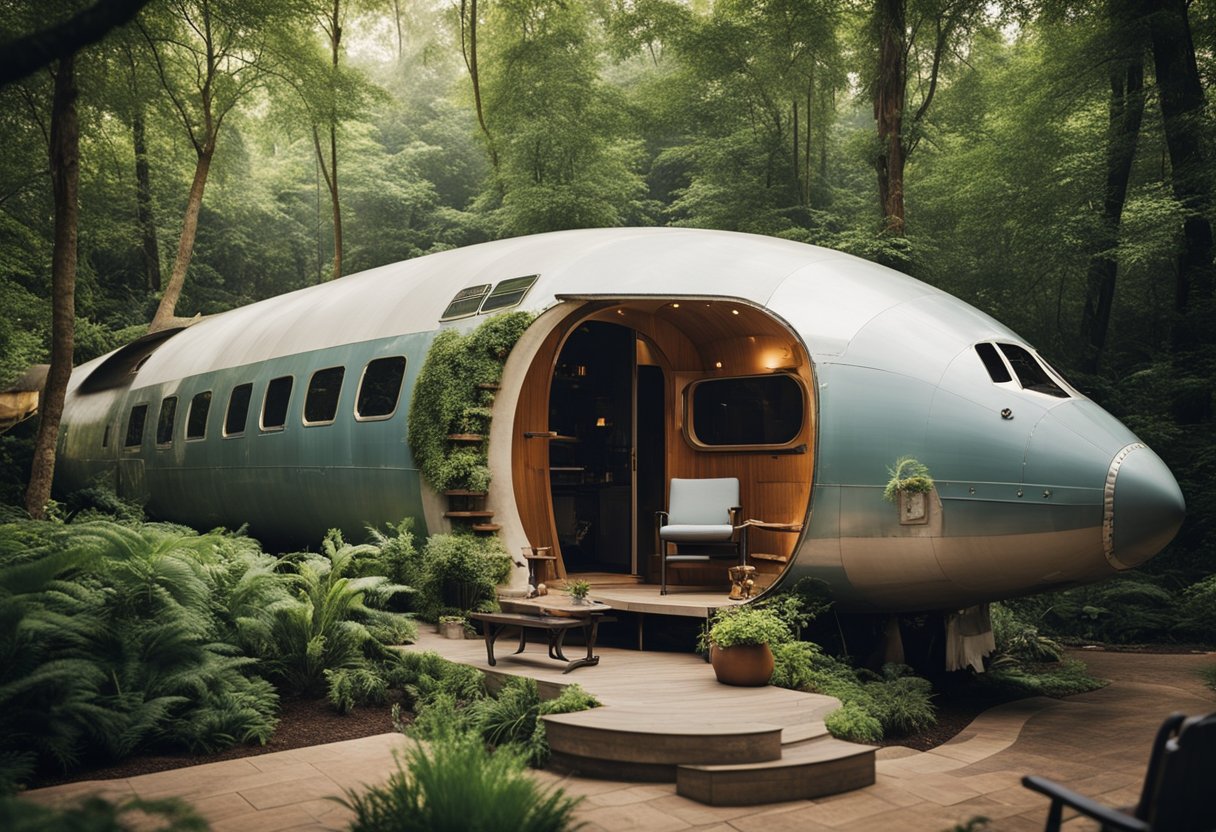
[274,406]
[997,371]
[1030,372]
[164,422]
[746,411]
[135,426]
[196,420]
[238,410]
[105,438]
[321,403]
[380,388]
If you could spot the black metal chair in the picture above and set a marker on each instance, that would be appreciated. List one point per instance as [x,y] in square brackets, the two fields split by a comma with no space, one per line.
[702,523]
[1177,792]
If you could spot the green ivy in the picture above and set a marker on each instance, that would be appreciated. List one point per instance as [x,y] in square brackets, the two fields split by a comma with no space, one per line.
[448,399]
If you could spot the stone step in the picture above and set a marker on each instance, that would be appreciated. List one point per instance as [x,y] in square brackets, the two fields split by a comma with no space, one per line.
[806,770]
[594,744]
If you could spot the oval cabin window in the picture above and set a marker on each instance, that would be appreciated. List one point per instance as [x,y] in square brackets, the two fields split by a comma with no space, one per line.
[746,411]
[274,406]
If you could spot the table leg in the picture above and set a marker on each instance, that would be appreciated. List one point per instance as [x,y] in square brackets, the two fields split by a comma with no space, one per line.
[491,635]
[523,640]
[590,630]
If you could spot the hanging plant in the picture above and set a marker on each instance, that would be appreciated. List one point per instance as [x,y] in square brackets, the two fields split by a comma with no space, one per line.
[909,476]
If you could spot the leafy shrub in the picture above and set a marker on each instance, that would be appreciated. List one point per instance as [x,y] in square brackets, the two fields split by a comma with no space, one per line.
[327,624]
[1019,641]
[1128,608]
[96,814]
[852,722]
[792,664]
[398,558]
[1064,678]
[447,400]
[1208,674]
[900,701]
[907,475]
[456,785]
[747,624]
[460,573]
[426,675]
[111,638]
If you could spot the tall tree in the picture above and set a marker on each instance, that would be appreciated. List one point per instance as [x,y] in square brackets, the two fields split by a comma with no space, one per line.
[469,20]
[209,55]
[65,174]
[21,56]
[914,40]
[1129,38]
[1180,91]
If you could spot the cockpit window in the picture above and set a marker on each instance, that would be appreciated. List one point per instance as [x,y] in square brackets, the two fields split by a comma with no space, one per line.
[1031,374]
[997,371]
[508,293]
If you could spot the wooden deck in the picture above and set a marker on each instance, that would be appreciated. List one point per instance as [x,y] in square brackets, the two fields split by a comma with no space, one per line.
[666,718]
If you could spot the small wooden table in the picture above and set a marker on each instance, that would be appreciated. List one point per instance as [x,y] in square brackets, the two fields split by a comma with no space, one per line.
[554,626]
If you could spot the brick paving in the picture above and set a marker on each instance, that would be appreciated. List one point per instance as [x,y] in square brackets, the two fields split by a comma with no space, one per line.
[1096,743]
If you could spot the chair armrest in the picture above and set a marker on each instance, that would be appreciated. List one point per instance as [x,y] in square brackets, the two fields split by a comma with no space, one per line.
[736,515]
[660,519]
[1108,817]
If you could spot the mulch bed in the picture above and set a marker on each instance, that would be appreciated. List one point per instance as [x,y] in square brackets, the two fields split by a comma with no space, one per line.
[302,723]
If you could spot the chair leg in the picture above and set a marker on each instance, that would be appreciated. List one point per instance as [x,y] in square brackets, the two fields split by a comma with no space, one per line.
[662,566]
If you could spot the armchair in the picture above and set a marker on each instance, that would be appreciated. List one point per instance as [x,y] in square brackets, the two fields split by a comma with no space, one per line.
[701,522]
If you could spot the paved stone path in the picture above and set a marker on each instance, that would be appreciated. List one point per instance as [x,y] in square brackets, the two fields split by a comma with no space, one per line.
[1097,743]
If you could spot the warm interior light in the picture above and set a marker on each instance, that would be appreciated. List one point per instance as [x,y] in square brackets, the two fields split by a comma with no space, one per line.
[734,311]
[601,422]
[718,364]
[620,311]
[675,306]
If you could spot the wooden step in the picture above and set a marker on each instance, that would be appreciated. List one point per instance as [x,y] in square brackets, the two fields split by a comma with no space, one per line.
[486,527]
[463,492]
[468,515]
[592,744]
[806,770]
[769,556]
[465,437]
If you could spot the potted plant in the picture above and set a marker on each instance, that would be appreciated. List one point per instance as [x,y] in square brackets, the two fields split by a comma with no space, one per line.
[577,590]
[739,640]
[453,626]
[910,485]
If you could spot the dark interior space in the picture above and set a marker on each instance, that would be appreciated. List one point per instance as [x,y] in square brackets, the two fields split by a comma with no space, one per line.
[591,409]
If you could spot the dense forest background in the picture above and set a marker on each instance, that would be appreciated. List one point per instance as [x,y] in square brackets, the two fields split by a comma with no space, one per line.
[1048,161]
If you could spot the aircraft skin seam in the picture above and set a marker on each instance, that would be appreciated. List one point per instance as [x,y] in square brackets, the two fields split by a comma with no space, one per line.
[1108,505]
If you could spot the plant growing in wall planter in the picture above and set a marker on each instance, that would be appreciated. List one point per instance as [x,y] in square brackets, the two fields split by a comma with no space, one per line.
[909,485]
[739,640]
[578,590]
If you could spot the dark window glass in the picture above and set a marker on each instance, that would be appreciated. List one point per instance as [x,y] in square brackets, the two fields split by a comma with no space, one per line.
[508,293]
[135,426]
[380,387]
[274,406]
[466,302]
[105,438]
[164,422]
[1030,372]
[997,371]
[321,403]
[752,410]
[238,410]
[196,421]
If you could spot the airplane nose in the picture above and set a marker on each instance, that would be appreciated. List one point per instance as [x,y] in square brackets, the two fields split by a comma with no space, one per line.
[1143,507]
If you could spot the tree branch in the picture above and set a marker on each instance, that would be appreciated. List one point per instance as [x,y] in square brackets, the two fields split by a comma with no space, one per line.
[20,57]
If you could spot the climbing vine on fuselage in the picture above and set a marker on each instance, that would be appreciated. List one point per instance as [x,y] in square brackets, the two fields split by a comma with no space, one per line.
[448,399]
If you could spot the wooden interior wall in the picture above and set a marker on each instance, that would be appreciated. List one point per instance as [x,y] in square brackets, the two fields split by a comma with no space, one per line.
[694,339]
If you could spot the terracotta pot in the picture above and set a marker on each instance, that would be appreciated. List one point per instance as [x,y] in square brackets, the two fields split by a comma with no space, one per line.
[746,665]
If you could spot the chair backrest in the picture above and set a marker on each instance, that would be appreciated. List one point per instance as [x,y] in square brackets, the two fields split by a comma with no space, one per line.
[1183,796]
[703,502]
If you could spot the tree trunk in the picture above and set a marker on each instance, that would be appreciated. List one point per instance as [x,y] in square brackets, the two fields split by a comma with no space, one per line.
[889,91]
[143,203]
[65,174]
[165,312]
[335,44]
[470,62]
[1182,104]
[1126,112]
